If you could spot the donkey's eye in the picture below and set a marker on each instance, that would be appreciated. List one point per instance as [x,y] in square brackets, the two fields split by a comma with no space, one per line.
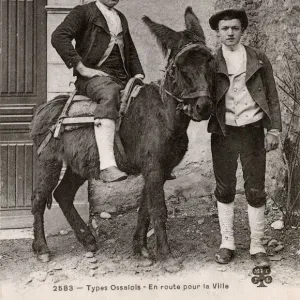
[184,72]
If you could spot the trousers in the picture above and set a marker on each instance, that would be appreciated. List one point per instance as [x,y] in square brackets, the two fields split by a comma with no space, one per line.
[246,143]
[105,91]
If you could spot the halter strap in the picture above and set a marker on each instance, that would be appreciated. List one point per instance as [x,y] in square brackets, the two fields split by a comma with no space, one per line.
[185,48]
[172,64]
[196,94]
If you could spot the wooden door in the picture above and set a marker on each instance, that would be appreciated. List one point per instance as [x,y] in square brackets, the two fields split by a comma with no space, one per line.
[23,67]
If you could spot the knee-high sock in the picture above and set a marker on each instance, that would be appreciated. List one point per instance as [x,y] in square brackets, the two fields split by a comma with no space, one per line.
[226,215]
[105,134]
[257,226]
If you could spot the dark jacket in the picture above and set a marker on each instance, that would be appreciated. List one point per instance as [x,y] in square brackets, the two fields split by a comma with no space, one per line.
[261,86]
[87,25]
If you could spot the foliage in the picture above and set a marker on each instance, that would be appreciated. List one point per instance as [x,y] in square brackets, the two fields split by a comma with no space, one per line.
[290,85]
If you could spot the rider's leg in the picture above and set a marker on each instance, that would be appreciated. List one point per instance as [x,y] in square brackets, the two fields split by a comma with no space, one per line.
[104,133]
[107,93]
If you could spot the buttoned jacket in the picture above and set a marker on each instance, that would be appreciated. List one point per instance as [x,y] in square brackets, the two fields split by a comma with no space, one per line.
[259,82]
[87,25]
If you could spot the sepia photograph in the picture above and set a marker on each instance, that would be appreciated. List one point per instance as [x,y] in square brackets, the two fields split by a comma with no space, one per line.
[149,149]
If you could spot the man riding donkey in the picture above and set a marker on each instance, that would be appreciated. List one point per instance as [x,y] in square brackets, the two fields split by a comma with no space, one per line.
[246,104]
[104,59]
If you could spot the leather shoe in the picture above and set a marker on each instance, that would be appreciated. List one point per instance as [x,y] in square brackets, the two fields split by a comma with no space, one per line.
[261,260]
[112,174]
[224,256]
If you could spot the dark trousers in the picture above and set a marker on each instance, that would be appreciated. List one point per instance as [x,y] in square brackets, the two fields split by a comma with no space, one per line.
[247,143]
[105,91]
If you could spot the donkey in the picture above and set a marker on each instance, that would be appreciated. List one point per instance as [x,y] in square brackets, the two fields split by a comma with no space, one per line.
[154,136]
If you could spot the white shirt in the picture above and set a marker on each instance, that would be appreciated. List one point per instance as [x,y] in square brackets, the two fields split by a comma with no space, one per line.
[115,27]
[112,18]
[234,58]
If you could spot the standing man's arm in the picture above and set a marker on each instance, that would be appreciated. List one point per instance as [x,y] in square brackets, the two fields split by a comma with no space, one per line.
[271,94]
[272,137]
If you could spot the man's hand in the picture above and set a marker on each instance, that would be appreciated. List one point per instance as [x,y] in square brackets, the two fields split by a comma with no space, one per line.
[271,142]
[88,72]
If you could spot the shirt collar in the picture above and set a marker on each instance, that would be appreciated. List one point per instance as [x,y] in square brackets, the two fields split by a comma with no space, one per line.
[237,48]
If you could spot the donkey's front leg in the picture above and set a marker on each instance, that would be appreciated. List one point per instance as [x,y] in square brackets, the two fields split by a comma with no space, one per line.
[154,192]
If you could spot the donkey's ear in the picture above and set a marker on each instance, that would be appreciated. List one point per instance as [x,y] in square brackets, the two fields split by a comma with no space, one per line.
[192,23]
[166,37]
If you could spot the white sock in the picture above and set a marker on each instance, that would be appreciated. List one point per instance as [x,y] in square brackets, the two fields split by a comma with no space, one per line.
[104,135]
[257,225]
[226,215]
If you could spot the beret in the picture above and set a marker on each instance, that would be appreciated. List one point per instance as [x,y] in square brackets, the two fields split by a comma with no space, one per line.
[232,14]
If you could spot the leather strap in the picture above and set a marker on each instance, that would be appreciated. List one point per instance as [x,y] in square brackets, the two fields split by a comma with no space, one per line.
[46,140]
[63,114]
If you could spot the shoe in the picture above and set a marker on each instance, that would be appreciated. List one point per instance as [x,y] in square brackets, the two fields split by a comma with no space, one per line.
[112,174]
[171,176]
[261,260]
[224,256]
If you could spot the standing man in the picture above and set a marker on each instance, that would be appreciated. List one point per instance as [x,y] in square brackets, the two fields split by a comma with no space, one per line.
[246,105]
[104,59]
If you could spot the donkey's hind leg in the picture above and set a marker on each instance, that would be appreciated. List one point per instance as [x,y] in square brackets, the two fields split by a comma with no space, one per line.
[140,235]
[64,194]
[47,177]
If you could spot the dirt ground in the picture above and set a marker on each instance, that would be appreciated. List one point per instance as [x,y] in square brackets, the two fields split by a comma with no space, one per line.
[194,237]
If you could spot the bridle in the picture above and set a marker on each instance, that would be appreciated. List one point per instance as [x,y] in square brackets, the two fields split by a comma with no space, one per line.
[172,68]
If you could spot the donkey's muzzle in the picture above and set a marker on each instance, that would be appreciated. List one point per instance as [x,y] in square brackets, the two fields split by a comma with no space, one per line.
[203,109]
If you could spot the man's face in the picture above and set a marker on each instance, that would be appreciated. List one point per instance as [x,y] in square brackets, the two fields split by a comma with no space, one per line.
[109,3]
[230,32]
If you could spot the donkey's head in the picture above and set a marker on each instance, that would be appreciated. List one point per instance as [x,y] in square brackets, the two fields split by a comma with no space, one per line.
[188,75]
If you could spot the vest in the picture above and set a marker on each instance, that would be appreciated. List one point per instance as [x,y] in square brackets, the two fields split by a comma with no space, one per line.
[113,60]
[241,109]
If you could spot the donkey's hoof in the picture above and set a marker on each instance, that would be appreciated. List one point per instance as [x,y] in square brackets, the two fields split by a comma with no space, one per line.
[40,250]
[92,247]
[142,252]
[144,262]
[145,253]
[171,265]
[43,257]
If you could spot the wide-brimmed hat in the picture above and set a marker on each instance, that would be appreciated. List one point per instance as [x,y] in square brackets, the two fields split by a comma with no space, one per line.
[232,13]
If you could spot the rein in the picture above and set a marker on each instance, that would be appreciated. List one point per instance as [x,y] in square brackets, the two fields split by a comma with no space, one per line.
[166,92]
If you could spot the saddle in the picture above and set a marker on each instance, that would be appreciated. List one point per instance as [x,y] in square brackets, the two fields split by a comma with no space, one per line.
[79,111]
